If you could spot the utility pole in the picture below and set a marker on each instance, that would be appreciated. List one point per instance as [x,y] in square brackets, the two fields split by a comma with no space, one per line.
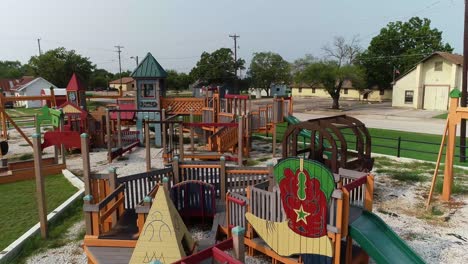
[135,58]
[39,45]
[120,64]
[464,86]
[236,86]
[235,48]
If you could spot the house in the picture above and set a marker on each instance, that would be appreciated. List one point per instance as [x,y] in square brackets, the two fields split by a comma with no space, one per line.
[31,88]
[60,96]
[427,85]
[8,84]
[347,92]
[128,84]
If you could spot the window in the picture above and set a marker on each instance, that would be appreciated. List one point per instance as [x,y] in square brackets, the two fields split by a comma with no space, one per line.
[438,66]
[313,90]
[382,92]
[345,91]
[277,89]
[300,90]
[133,85]
[148,90]
[409,97]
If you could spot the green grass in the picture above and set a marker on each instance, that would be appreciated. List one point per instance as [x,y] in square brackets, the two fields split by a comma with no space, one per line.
[441,116]
[18,208]
[57,233]
[385,141]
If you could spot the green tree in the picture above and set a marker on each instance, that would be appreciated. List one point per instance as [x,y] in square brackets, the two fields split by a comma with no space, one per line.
[124,74]
[217,68]
[330,76]
[100,78]
[268,68]
[400,45]
[177,81]
[12,69]
[58,65]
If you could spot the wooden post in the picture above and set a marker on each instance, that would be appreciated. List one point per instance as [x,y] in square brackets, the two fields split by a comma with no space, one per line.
[238,233]
[88,198]
[53,101]
[62,146]
[147,146]
[112,186]
[119,128]
[40,188]
[109,136]
[192,146]
[175,167]
[450,149]
[436,170]
[164,132]
[240,146]
[222,177]
[271,177]
[3,115]
[165,181]
[181,138]
[275,117]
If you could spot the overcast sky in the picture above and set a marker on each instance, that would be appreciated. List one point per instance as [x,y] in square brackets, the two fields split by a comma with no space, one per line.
[176,32]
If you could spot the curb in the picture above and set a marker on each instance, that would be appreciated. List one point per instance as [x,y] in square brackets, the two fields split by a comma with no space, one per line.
[11,250]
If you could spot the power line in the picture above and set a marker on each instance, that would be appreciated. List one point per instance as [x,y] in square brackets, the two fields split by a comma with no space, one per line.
[235,48]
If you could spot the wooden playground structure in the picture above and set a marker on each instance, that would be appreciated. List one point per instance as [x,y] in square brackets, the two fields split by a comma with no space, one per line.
[454,117]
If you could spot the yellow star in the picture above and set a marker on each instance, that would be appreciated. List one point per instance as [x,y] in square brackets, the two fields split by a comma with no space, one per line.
[301,215]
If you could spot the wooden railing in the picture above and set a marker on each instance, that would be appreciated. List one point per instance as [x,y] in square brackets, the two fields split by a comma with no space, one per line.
[139,185]
[266,205]
[183,106]
[225,117]
[208,115]
[239,178]
[106,213]
[224,179]
[236,207]
[226,138]
[357,190]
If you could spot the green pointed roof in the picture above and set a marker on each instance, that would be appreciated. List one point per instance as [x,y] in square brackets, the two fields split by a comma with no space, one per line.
[149,68]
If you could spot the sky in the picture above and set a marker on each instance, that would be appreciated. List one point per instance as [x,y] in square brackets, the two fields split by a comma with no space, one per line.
[176,32]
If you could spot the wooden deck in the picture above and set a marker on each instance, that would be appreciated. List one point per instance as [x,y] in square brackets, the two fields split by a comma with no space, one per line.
[209,155]
[126,228]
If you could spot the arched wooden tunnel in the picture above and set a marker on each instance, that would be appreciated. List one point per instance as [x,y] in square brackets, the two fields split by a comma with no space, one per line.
[329,142]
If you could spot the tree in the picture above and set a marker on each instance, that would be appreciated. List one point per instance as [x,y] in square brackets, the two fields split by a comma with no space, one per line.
[342,51]
[268,68]
[301,63]
[217,68]
[58,65]
[13,69]
[177,81]
[100,78]
[124,74]
[399,46]
[330,76]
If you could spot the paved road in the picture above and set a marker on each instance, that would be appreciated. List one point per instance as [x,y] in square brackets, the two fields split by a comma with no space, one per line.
[402,123]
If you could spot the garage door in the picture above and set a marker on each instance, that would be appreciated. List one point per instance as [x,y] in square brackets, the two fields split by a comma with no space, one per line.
[436,97]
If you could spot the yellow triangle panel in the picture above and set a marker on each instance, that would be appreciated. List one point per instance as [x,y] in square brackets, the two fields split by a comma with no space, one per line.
[164,237]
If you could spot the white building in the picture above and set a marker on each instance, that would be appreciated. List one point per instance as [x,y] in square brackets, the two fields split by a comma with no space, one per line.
[428,84]
[32,88]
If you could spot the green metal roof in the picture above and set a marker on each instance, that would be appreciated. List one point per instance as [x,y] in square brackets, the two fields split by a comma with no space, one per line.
[149,68]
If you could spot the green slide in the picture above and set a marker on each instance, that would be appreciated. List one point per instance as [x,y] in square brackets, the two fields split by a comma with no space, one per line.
[292,120]
[380,242]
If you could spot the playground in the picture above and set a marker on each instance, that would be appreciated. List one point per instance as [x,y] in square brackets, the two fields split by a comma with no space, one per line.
[218,177]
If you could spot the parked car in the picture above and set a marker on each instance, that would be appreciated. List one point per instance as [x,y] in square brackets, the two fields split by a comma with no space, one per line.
[9,105]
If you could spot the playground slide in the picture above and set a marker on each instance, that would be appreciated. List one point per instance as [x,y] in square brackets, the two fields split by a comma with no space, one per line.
[294,120]
[380,242]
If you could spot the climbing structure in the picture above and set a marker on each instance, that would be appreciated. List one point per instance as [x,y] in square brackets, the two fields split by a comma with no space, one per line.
[328,142]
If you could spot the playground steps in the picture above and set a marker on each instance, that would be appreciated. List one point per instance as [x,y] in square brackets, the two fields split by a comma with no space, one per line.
[109,255]
[223,140]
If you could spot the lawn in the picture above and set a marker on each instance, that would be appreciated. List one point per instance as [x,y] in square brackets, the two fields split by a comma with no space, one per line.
[412,145]
[441,116]
[18,208]
[23,117]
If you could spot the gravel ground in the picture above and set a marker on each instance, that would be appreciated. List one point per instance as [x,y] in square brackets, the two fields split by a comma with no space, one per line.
[442,239]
